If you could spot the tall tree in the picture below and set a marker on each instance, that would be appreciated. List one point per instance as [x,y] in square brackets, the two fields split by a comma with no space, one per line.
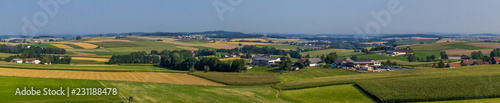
[444,55]
[78,37]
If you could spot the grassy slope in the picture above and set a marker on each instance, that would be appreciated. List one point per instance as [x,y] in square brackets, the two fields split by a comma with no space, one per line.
[331,94]
[149,92]
[10,84]
[424,73]
[74,46]
[311,72]
[340,52]
[240,78]
[465,46]
[104,68]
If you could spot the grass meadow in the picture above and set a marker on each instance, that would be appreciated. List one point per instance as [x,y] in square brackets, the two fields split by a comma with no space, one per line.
[330,94]
[240,78]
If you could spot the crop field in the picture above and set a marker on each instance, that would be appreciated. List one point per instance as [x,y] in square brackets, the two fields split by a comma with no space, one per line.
[85,45]
[417,41]
[3,55]
[94,67]
[10,84]
[487,45]
[74,46]
[311,72]
[340,52]
[93,59]
[290,47]
[169,93]
[466,46]
[416,89]
[231,58]
[261,69]
[61,46]
[192,41]
[330,94]
[240,78]
[466,52]
[149,77]
[407,73]
[114,44]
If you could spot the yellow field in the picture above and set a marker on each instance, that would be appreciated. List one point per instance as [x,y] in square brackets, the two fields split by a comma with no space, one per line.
[94,59]
[232,58]
[86,45]
[150,77]
[61,46]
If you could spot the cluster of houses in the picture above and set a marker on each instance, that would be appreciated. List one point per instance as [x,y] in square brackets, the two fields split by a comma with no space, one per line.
[27,60]
[361,64]
[496,60]
[397,51]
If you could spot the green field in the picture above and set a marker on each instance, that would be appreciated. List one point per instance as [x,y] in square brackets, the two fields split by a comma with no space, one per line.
[416,41]
[10,84]
[240,78]
[114,44]
[465,46]
[330,94]
[311,72]
[340,52]
[192,41]
[151,92]
[260,69]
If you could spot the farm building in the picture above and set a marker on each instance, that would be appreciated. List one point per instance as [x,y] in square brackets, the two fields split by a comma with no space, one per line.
[32,61]
[496,60]
[313,61]
[396,51]
[482,63]
[16,60]
[468,62]
[463,56]
[266,61]
[367,64]
[453,65]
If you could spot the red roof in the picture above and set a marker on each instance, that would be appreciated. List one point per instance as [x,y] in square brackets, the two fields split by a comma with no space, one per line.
[30,59]
[483,63]
[496,58]
[302,60]
[468,62]
[454,64]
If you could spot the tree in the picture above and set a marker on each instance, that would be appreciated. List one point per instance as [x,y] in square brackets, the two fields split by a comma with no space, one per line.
[129,34]
[308,56]
[78,37]
[495,53]
[441,64]
[355,58]
[206,68]
[154,52]
[412,58]
[238,66]
[286,64]
[100,35]
[388,62]
[330,58]
[192,70]
[301,66]
[434,65]
[240,44]
[444,55]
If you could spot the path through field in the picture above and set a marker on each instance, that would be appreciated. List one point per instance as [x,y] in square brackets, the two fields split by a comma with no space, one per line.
[150,77]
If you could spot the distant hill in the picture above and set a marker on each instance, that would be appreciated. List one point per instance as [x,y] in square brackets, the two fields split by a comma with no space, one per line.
[411,35]
[212,34]
[162,34]
[43,36]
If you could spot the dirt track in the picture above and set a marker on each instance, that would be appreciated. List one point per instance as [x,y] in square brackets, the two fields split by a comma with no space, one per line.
[150,77]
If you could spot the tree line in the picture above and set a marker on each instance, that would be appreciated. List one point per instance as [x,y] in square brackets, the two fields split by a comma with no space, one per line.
[53,59]
[21,49]
[262,50]
[134,57]
[184,60]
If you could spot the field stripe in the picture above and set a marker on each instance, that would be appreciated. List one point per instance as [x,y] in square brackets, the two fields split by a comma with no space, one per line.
[149,77]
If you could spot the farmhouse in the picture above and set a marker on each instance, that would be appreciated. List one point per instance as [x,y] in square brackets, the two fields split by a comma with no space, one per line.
[463,56]
[366,64]
[396,51]
[482,63]
[16,60]
[313,61]
[496,60]
[453,65]
[266,61]
[32,61]
[468,62]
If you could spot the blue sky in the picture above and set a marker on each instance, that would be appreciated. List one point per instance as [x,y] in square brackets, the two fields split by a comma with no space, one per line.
[253,16]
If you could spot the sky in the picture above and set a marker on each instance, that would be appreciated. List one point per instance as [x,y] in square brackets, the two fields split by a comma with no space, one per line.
[250,16]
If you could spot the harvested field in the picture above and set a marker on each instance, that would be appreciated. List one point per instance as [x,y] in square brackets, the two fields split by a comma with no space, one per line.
[85,45]
[171,78]
[94,59]
[61,46]
[466,52]
[241,78]
[232,58]
[490,45]
[446,40]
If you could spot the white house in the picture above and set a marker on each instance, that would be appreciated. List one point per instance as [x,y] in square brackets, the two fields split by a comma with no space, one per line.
[313,61]
[265,61]
[32,61]
[16,60]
